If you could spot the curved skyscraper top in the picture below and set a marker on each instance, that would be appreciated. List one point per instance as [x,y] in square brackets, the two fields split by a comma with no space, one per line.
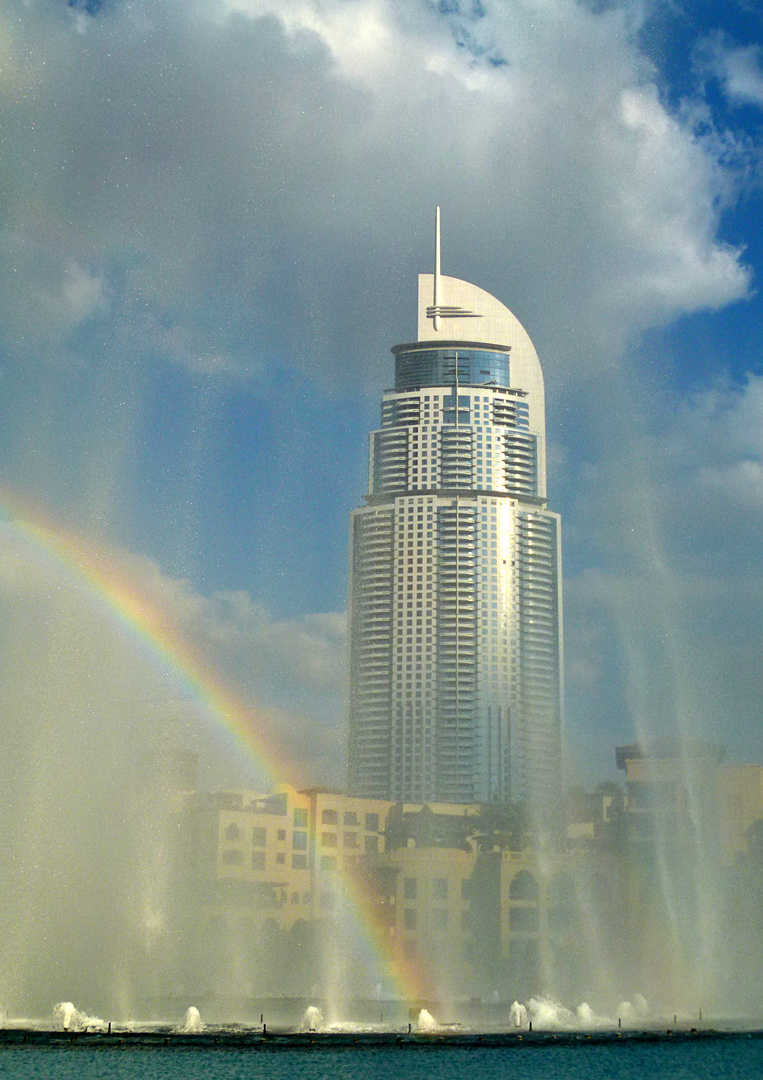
[455,595]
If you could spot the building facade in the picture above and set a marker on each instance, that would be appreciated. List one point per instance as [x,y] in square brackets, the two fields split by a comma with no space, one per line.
[672,788]
[455,888]
[740,808]
[455,575]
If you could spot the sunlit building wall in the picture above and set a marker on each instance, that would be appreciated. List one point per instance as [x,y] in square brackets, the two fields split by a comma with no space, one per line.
[453,887]
[455,578]
[287,851]
[740,806]
[672,790]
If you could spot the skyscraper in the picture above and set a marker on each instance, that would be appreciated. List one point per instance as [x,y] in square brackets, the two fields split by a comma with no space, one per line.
[455,568]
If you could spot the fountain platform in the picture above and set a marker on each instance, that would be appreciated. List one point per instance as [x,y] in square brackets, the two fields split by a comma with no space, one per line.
[279,1039]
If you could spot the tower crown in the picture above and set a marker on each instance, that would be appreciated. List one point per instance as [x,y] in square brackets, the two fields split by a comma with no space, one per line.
[469,314]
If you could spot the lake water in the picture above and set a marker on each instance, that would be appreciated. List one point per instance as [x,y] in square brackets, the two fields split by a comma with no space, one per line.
[700,1059]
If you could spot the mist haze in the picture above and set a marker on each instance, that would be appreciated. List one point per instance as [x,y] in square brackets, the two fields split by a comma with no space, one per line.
[212,216]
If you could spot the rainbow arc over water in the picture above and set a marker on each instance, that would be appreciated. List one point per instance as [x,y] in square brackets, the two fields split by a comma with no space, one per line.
[112,586]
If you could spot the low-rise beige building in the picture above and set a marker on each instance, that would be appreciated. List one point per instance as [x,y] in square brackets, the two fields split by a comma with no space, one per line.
[457,890]
[740,805]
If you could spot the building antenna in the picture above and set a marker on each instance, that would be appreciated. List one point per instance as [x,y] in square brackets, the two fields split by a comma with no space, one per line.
[436,298]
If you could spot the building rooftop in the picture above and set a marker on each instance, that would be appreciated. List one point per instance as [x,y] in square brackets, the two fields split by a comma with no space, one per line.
[669,747]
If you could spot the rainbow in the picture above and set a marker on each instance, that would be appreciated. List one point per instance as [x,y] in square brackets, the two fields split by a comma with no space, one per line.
[149,627]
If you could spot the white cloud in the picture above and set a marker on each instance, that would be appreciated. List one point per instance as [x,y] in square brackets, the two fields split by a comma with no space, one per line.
[191,348]
[663,628]
[291,669]
[86,660]
[740,483]
[47,293]
[739,68]
[360,36]
[263,174]
[82,292]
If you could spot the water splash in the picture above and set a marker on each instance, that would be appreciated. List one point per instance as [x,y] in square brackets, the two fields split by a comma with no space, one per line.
[587,1018]
[192,1023]
[518,1015]
[312,1020]
[68,1018]
[549,1015]
[631,1012]
[426,1022]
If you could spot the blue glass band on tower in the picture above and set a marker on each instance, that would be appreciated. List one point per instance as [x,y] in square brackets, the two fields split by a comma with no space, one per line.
[417,366]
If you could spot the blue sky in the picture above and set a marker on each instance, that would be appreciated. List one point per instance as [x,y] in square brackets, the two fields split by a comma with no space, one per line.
[211,220]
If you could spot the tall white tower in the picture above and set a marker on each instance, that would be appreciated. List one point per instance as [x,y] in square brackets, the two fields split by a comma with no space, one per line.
[455,569]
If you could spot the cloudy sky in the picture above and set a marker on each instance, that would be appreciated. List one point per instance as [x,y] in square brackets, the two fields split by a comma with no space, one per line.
[212,215]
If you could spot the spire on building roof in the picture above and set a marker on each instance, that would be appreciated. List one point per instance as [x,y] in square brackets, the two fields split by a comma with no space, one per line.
[436,297]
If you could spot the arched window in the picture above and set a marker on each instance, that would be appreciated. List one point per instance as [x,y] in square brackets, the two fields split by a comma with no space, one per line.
[233,832]
[524,887]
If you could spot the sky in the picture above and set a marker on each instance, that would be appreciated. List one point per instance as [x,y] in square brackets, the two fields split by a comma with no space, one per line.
[212,215]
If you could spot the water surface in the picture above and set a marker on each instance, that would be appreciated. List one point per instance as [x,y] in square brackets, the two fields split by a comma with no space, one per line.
[735,1057]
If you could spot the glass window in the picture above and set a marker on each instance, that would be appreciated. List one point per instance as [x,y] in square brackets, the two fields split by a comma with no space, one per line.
[330,817]
[258,837]
[299,862]
[350,818]
[300,817]
[372,844]
[280,858]
[328,839]
[233,833]
[282,834]
[258,860]
[440,889]
[299,841]
[350,840]
[409,888]
[409,918]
